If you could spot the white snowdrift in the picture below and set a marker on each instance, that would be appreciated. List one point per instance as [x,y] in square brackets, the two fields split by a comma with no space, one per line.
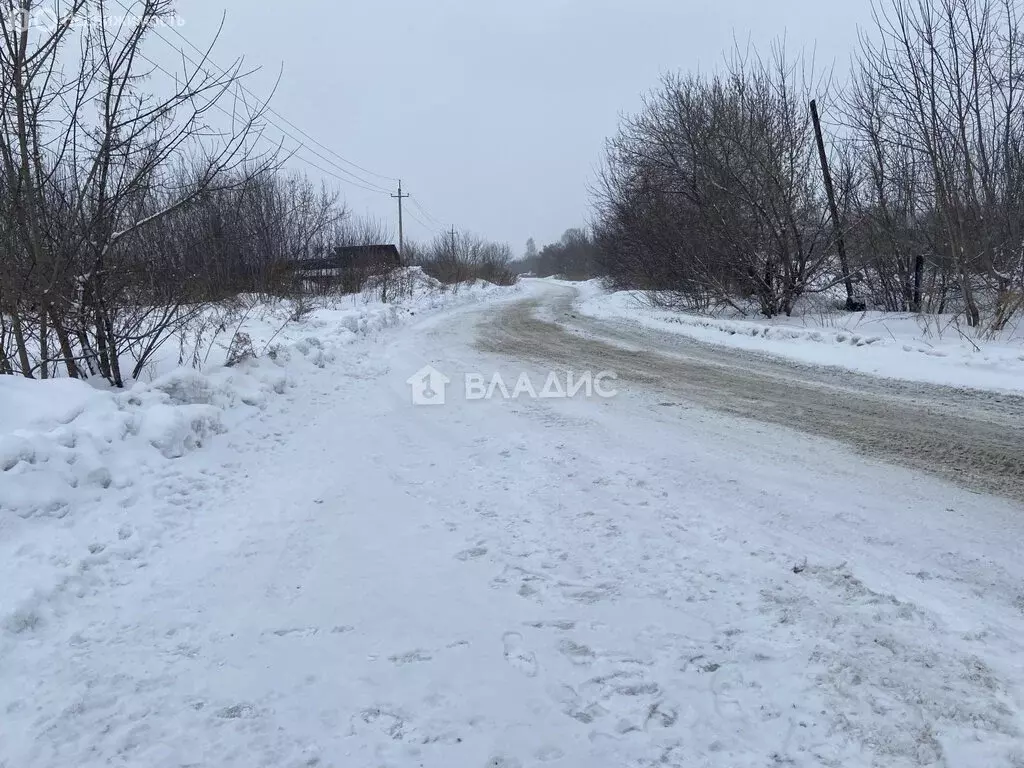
[891,345]
[66,446]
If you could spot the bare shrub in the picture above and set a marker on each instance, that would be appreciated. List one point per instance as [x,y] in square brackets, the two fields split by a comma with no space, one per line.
[460,258]
[713,192]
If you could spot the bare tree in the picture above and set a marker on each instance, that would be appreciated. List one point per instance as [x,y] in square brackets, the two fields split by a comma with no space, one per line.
[93,162]
[713,190]
[937,111]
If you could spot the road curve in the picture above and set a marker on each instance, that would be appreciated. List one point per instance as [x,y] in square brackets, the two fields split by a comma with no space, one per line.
[971,437]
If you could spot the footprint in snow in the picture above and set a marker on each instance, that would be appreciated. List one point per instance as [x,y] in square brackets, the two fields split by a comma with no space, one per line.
[577,653]
[296,632]
[412,657]
[237,712]
[549,754]
[523,660]
[471,554]
[503,762]
[563,625]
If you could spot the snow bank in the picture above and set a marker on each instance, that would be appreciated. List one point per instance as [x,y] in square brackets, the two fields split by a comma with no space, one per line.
[95,447]
[62,448]
[30,404]
[67,447]
[330,321]
[887,344]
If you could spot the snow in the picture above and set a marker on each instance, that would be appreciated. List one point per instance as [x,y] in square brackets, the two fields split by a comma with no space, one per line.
[285,563]
[896,345]
[66,446]
[28,404]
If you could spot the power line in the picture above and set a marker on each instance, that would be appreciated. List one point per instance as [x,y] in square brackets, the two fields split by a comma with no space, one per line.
[426,213]
[365,186]
[294,154]
[326,172]
[348,177]
[269,110]
[272,111]
[427,227]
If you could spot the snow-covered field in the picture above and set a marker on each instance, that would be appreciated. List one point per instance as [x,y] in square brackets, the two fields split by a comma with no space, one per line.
[286,563]
[937,350]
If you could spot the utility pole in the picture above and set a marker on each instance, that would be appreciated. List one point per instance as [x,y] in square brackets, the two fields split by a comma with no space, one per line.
[830,191]
[401,234]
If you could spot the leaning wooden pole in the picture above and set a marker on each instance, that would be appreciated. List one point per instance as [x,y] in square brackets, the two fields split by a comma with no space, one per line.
[830,191]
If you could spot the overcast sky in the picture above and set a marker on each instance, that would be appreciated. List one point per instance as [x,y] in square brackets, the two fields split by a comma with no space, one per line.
[494,114]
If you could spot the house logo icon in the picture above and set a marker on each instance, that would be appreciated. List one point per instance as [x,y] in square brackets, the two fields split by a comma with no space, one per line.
[428,386]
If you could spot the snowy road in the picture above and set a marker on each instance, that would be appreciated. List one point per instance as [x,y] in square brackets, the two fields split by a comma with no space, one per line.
[348,580]
[972,437]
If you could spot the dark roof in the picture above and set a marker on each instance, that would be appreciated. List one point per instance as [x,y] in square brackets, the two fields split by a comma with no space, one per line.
[352,251]
[352,256]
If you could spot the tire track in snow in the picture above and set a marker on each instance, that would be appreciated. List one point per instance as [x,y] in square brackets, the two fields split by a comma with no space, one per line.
[972,438]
